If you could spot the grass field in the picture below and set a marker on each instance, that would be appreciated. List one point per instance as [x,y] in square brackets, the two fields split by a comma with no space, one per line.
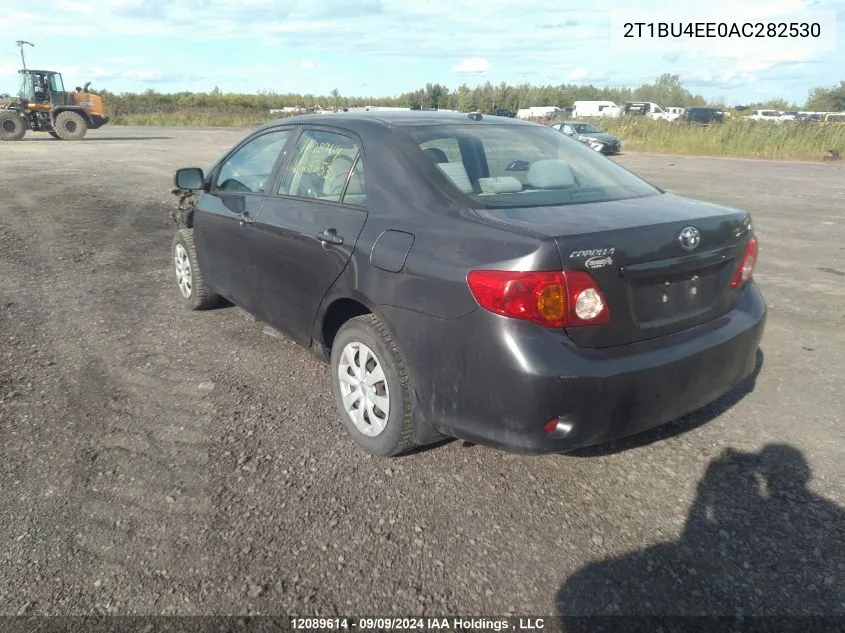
[198,117]
[738,137]
[735,138]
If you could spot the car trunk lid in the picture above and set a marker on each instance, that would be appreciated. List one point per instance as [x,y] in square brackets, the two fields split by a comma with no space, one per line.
[634,250]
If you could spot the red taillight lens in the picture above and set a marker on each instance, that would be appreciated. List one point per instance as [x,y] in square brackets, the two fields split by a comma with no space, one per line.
[553,298]
[746,264]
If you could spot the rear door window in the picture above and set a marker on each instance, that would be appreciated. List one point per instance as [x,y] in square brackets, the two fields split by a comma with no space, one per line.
[320,166]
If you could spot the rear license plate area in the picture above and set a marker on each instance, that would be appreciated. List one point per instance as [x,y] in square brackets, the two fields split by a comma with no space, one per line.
[660,300]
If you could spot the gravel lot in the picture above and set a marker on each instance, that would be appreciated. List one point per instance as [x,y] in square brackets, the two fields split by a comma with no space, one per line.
[157,461]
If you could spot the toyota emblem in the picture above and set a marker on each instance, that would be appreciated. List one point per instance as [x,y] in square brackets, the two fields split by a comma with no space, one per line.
[689,238]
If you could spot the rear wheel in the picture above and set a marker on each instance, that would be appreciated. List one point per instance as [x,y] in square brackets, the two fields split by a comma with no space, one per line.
[371,387]
[70,126]
[12,126]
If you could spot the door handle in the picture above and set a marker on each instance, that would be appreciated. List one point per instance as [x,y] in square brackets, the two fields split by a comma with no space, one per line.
[330,236]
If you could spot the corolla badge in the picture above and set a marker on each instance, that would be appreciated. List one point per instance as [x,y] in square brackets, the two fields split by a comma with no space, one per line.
[689,238]
[593,252]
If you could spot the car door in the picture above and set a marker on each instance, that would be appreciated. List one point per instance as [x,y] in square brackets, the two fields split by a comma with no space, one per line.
[225,215]
[306,232]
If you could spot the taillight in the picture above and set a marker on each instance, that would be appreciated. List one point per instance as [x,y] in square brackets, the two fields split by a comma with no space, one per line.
[746,264]
[552,298]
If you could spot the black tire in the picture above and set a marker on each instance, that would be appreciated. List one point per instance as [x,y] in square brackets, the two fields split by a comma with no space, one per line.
[396,438]
[199,295]
[70,126]
[12,126]
[53,134]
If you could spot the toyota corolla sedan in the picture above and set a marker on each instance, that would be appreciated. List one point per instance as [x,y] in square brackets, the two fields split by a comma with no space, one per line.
[590,135]
[474,277]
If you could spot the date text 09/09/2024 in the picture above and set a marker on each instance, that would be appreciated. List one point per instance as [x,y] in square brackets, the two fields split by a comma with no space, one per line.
[722,29]
[417,624]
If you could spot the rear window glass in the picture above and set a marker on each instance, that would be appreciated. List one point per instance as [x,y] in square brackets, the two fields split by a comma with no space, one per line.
[520,166]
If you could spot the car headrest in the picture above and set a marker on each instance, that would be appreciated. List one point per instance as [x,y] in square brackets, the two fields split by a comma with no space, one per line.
[502,184]
[336,175]
[436,154]
[550,173]
[457,173]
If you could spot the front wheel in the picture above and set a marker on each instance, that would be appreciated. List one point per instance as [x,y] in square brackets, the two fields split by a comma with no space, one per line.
[12,126]
[70,126]
[371,387]
[195,293]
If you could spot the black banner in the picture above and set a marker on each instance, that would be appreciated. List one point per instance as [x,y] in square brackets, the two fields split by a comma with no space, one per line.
[423,624]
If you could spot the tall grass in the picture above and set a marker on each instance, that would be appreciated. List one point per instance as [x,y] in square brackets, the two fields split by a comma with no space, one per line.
[198,117]
[788,140]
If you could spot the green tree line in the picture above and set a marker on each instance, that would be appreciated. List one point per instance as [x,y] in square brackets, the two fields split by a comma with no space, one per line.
[667,90]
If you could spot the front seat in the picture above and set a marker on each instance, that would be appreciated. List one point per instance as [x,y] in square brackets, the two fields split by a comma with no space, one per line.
[336,175]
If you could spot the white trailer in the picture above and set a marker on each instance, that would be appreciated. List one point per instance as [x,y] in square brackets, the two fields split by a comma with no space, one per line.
[595,108]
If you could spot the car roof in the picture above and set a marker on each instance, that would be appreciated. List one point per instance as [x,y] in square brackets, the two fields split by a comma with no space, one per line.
[363,120]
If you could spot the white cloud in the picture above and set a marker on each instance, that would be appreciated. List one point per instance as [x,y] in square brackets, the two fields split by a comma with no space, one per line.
[306,63]
[579,74]
[8,70]
[472,66]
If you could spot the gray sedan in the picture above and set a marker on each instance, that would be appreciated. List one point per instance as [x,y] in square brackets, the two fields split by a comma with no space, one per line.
[590,135]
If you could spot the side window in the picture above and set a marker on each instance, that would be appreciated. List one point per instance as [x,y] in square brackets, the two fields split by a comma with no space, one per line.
[250,169]
[356,190]
[319,166]
[568,129]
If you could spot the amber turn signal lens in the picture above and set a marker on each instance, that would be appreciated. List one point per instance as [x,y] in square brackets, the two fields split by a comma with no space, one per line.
[551,303]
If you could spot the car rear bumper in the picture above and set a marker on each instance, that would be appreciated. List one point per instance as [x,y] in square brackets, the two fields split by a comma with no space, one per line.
[498,381]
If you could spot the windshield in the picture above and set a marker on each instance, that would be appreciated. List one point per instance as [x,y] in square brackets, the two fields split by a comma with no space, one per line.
[585,128]
[507,166]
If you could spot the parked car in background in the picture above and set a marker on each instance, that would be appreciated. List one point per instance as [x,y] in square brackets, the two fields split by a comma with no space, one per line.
[644,108]
[837,117]
[474,276]
[673,113]
[590,135]
[702,116]
[765,115]
[502,112]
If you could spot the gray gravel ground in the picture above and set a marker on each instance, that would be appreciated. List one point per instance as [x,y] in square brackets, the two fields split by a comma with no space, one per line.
[156,461]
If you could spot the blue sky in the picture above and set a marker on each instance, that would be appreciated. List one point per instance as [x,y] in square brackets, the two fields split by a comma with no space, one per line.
[386,47]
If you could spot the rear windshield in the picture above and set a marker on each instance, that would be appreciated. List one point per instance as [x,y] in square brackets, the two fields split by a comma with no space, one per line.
[506,166]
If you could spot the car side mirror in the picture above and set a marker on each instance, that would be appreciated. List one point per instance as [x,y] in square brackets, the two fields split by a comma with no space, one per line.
[189,178]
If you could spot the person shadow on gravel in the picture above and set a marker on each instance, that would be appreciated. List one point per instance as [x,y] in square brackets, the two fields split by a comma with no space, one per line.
[757,542]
